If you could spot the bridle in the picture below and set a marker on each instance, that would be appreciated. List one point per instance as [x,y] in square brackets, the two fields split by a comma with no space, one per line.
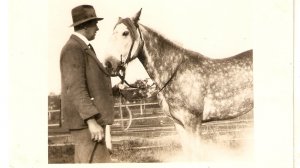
[121,69]
[123,63]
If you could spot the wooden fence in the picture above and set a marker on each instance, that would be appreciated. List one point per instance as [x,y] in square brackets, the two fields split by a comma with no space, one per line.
[120,106]
[143,121]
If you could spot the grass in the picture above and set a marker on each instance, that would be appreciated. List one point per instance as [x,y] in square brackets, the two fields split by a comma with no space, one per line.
[128,148]
[61,154]
[149,155]
[132,151]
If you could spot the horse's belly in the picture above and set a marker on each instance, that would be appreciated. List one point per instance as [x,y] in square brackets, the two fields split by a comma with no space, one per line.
[221,109]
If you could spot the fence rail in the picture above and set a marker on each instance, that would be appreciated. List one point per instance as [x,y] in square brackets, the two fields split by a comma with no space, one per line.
[151,125]
[142,108]
[134,104]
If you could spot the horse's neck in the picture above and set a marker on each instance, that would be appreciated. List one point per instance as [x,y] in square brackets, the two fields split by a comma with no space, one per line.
[160,56]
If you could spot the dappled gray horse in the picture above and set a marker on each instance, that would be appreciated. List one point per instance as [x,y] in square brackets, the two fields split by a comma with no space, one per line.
[193,88]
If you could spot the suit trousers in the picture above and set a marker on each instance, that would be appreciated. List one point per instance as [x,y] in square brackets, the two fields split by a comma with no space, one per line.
[85,147]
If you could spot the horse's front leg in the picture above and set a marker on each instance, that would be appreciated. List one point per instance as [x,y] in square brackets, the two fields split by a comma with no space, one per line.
[184,141]
[189,131]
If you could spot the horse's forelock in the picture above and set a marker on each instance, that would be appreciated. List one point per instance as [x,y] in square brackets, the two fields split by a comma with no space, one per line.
[130,25]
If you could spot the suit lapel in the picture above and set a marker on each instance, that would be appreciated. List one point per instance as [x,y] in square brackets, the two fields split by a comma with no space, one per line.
[90,53]
[93,55]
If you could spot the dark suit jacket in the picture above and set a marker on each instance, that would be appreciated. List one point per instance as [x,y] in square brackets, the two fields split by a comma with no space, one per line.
[86,86]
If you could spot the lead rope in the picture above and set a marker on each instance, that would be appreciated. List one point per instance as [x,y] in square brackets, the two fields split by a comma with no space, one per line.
[95,147]
[168,82]
[93,152]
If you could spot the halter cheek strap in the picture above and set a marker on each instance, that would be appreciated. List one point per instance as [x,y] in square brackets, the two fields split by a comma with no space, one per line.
[138,50]
[133,29]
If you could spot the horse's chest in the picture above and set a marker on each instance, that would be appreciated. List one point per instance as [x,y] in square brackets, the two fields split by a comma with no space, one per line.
[187,91]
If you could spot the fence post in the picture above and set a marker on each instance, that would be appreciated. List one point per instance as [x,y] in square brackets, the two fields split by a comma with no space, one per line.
[141,109]
[49,115]
[121,112]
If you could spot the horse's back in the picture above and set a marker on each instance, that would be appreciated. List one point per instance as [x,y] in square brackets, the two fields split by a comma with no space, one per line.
[242,59]
[248,53]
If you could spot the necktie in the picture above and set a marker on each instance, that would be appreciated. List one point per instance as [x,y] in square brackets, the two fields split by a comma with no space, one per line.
[91,47]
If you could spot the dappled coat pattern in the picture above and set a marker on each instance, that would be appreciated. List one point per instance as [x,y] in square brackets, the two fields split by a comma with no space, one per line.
[218,88]
[193,88]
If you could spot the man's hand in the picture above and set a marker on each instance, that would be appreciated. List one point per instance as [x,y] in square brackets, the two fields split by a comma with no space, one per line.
[97,133]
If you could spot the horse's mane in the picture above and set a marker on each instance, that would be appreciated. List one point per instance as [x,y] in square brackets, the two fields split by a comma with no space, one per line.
[171,44]
[168,44]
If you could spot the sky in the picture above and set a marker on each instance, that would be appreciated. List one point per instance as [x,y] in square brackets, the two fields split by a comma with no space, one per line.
[214,28]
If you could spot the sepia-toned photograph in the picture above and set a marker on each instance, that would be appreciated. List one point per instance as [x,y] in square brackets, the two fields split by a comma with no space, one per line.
[175,83]
[150,82]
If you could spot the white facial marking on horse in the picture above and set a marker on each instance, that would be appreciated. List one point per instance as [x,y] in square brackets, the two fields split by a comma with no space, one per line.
[119,44]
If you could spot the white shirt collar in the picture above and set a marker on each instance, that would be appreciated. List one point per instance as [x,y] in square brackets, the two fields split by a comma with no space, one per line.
[82,37]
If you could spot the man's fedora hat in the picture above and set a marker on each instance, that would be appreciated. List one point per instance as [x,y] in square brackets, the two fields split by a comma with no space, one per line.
[82,14]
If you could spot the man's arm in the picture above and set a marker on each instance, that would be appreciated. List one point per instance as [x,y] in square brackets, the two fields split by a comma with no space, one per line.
[73,69]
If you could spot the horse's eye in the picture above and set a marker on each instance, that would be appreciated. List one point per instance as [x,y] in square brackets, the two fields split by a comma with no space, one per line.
[125,33]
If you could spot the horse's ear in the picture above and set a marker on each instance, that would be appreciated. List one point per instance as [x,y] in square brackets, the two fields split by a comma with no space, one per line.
[136,17]
[119,18]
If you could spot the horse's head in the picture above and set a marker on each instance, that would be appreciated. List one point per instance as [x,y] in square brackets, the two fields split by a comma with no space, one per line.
[125,44]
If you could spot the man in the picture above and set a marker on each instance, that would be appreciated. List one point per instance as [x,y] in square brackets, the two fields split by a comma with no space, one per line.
[86,95]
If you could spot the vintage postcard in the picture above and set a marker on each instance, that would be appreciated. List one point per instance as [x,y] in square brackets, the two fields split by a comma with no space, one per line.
[198,83]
